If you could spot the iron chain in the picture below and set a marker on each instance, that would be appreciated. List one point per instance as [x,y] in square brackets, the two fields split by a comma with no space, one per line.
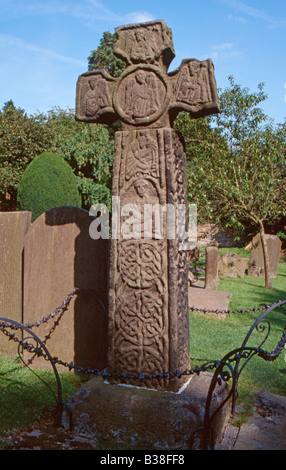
[212,365]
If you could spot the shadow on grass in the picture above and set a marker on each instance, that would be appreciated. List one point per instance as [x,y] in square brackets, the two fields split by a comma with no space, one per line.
[268,296]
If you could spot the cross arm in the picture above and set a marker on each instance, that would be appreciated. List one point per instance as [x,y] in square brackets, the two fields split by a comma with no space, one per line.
[94,97]
[194,89]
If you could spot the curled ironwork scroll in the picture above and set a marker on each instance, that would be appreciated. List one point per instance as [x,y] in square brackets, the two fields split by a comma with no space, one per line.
[32,343]
[230,367]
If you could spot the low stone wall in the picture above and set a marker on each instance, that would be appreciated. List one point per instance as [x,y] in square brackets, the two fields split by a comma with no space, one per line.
[210,233]
[41,263]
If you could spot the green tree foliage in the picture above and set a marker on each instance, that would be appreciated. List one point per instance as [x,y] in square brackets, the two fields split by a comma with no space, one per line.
[21,139]
[104,58]
[47,182]
[60,123]
[89,152]
[235,160]
[88,148]
[240,172]
[202,144]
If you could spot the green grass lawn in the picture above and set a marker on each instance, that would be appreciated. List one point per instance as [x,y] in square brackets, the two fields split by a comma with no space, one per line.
[23,397]
[212,338]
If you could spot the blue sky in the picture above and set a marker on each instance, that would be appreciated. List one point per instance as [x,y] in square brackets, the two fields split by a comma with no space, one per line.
[44,44]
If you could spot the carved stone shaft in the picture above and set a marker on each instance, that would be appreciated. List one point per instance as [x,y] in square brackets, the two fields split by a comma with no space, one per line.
[148,309]
[148,299]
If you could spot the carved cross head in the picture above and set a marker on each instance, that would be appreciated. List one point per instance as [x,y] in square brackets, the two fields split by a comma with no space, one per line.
[145,94]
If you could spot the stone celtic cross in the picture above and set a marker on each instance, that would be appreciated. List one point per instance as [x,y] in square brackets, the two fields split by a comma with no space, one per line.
[148,280]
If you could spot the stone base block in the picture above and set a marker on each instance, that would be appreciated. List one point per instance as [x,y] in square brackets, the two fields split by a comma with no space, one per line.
[138,418]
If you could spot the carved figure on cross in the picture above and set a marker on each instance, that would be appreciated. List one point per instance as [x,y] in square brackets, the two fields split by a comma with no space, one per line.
[148,277]
[145,94]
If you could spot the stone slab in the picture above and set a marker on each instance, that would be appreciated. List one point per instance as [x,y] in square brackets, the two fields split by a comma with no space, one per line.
[13,229]
[208,299]
[141,418]
[266,429]
[229,438]
[59,255]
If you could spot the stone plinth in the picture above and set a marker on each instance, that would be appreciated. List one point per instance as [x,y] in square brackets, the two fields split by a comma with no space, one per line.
[141,418]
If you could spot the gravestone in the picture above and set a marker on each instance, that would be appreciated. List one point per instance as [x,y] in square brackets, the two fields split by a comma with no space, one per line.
[13,229]
[256,260]
[231,265]
[148,276]
[212,280]
[59,255]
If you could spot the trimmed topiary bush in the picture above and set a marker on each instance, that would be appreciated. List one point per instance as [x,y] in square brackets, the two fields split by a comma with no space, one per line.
[47,182]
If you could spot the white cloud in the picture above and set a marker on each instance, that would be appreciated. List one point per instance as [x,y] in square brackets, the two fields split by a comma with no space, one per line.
[36,71]
[139,17]
[256,13]
[85,9]
[223,50]
[237,19]
[224,46]
[99,11]
[18,8]
[8,40]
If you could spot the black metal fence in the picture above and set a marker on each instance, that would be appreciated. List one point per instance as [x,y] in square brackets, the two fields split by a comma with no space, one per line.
[228,369]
